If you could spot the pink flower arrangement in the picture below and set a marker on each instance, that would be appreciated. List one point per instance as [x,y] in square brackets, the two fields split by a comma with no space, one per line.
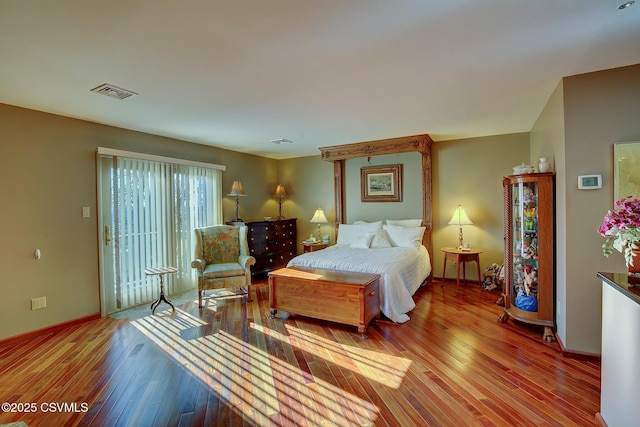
[621,227]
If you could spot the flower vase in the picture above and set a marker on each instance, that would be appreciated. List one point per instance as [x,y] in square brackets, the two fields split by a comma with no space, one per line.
[634,270]
[543,166]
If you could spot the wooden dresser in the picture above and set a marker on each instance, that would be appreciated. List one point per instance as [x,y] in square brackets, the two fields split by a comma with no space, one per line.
[272,243]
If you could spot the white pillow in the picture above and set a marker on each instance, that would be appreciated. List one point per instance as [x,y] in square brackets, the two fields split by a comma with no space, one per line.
[405,222]
[406,237]
[348,233]
[372,226]
[379,240]
[362,241]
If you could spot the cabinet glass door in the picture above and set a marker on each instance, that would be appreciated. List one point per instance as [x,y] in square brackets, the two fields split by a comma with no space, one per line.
[525,246]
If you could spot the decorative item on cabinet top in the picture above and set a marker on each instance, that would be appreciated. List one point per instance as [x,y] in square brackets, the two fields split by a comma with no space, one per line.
[543,166]
[522,169]
[272,243]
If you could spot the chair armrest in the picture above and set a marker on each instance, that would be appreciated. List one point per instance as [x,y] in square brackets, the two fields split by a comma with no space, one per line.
[199,264]
[246,261]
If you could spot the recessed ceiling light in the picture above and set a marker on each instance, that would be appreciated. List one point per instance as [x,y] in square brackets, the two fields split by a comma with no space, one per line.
[626,5]
[281,141]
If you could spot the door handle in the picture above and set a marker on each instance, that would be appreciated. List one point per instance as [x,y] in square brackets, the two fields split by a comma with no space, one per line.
[107,235]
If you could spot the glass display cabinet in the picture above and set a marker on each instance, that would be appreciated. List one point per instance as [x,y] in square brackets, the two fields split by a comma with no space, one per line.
[529,281]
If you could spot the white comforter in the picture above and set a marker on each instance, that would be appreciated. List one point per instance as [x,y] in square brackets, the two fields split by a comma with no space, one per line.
[401,271]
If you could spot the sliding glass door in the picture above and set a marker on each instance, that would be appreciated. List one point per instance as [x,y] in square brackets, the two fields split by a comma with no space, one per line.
[148,211]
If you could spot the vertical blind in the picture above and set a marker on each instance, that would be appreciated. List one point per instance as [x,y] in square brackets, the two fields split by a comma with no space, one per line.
[154,208]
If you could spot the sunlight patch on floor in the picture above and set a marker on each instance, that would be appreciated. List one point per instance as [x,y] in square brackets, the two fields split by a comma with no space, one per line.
[377,366]
[259,385]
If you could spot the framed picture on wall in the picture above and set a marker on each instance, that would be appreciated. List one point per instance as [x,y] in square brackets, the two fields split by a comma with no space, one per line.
[381,183]
[626,170]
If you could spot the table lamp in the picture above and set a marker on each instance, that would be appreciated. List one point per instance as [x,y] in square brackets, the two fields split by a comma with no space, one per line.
[237,191]
[460,218]
[320,218]
[280,194]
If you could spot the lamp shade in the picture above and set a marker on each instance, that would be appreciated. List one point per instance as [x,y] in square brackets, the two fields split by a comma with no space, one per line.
[280,191]
[460,217]
[319,217]
[236,189]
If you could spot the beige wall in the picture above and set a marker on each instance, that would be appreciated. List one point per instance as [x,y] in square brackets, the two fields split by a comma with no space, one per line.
[259,178]
[309,184]
[409,207]
[469,172]
[47,170]
[547,140]
[600,109]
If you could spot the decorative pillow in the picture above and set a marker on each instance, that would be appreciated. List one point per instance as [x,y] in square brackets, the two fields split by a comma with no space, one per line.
[380,239]
[405,222]
[406,237]
[347,233]
[362,241]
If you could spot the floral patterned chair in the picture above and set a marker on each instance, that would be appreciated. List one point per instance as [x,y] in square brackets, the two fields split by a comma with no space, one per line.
[222,259]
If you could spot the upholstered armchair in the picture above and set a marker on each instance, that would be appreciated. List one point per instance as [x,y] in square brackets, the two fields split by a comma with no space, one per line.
[222,259]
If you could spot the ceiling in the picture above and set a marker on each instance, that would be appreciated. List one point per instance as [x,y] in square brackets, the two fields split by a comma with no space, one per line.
[237,74]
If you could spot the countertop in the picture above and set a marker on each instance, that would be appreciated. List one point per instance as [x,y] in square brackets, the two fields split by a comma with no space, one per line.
[620,282]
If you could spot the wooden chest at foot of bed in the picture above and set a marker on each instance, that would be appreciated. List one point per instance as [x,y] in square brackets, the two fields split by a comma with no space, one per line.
[338,296]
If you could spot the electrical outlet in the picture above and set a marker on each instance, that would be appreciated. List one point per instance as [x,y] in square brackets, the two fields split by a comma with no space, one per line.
[86,212]
[38,303]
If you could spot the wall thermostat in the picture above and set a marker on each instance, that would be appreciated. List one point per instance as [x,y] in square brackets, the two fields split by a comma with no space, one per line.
[589,182]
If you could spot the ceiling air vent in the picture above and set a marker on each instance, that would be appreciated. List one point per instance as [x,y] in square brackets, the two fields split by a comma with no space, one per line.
[112,91]
[281,141]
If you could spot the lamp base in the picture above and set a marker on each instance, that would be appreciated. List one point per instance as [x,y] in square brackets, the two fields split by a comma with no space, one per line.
[280,216]
[237,220]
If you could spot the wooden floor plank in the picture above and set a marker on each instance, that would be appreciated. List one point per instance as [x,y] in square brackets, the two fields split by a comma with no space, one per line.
[230,363]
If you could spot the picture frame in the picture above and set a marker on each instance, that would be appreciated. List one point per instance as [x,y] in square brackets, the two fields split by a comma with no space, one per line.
[626,170]
[381,183]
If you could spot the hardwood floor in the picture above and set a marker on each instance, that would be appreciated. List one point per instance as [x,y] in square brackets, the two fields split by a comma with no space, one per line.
[452,364]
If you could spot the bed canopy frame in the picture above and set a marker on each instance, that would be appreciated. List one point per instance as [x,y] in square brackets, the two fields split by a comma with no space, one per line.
[420,143]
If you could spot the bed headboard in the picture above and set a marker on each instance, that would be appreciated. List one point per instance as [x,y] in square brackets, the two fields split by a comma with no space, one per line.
[420,143]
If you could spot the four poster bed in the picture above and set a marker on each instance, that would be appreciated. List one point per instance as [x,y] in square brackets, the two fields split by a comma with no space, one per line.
[397,250]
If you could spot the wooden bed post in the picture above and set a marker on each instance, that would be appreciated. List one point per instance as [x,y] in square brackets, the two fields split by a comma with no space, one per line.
[427,214]
[338,188]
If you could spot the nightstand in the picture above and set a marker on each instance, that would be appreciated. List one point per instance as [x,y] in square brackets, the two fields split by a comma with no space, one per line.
[311,247]
[461,256]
